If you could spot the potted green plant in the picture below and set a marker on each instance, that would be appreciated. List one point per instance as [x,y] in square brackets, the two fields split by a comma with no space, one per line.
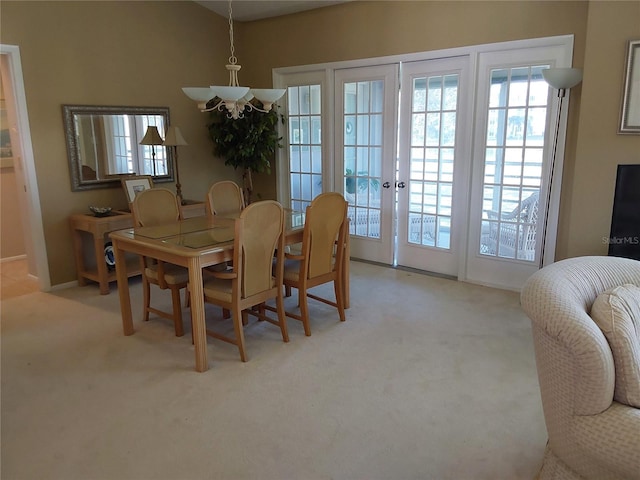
[362,183]
[249,142]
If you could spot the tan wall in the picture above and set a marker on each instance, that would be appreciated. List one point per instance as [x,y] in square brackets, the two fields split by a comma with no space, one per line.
[12,240]
[158,47]
[111,53]
[373,29]
[601,29]
[12,243]
[588,187]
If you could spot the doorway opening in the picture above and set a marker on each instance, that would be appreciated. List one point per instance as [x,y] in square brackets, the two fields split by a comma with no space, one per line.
[20,170]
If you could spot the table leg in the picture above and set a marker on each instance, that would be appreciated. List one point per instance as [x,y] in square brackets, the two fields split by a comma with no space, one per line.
[101,265]
[197,314]
[123,289]
[77,248]
[345,270]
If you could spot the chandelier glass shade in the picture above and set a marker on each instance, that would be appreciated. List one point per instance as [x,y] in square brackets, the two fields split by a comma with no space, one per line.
[233,98]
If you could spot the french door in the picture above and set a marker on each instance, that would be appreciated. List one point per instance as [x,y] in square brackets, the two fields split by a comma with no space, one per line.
[433,164]
[406,202]
[366,106]
[511,157]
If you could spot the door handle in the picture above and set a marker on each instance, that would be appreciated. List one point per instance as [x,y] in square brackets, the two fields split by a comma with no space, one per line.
[386,185]
[401,184]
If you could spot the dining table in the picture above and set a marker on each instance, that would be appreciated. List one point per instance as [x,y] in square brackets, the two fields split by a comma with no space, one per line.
[193,243]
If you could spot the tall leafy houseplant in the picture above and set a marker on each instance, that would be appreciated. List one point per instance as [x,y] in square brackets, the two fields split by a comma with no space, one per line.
[249,142]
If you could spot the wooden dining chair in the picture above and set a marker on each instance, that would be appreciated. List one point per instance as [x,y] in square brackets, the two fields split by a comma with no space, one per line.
[152,207]
[250,280]
[225,199]
[321,259]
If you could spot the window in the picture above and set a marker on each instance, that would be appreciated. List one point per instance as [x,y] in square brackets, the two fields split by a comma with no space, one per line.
[125,154]
[513,161]
[305,144]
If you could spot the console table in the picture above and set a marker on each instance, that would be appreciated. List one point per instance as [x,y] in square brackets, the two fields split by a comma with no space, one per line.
[89,254]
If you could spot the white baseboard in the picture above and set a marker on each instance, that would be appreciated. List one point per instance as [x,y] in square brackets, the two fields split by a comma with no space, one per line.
[13,259]
[64,286]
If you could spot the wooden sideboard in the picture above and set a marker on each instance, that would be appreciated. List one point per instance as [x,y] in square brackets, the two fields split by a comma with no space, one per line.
[90,235]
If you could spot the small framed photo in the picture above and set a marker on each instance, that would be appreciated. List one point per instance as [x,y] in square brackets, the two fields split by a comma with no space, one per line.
[630,117]
[133,185]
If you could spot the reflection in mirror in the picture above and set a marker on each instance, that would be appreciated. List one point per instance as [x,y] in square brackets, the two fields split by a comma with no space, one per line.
[104,144]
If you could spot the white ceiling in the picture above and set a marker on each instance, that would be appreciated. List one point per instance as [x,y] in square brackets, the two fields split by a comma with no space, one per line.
[247,10]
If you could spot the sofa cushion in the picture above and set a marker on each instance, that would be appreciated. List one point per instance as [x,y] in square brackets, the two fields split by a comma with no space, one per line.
[617,313]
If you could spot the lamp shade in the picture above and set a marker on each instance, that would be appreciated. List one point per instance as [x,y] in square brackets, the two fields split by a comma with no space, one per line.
[152,137]
[174,137]
[268,95]
[199,94]
[229,94]
[562,78]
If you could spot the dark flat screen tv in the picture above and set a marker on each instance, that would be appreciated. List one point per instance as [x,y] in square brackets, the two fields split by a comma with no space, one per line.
[624,240]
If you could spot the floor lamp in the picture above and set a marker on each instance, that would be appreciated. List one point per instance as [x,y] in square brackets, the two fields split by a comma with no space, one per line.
[175,139]
[152,137]
[561,79]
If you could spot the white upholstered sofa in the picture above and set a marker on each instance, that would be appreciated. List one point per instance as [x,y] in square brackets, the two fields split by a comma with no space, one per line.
[588,373]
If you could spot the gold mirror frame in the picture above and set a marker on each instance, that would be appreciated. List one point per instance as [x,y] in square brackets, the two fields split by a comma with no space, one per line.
[71,114]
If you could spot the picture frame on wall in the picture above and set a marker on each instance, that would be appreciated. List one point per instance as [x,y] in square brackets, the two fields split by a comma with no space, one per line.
[135,184]
[630,116]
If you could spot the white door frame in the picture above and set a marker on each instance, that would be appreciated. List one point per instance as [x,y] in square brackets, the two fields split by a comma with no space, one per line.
[36,246]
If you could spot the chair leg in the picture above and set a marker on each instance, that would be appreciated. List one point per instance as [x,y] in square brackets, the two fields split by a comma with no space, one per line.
[304,311]
[237,325]
[146,292]
[339,292]
[191,323]
[282,318]
[287,291]
[177,311]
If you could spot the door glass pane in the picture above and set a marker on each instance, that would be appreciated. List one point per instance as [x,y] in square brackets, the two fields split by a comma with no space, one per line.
[433,134]
[305,140]
[122,153]
[362,151]
[512,173]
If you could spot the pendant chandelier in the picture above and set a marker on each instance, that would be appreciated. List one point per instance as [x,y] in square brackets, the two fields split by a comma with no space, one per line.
[233,98]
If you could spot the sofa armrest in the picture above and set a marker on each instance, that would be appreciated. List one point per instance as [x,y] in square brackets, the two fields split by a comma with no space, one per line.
[607,442]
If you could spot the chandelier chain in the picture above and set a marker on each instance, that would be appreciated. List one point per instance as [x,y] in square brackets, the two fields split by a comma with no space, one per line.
[237,99]
[232,59]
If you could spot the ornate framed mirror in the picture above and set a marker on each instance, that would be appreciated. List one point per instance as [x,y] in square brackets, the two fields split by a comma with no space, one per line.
[103,144]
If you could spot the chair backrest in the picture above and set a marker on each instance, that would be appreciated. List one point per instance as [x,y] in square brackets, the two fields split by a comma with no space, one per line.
[528,209]
[155,206]
[529,216]
[225,199]
[259,233]
[325,224]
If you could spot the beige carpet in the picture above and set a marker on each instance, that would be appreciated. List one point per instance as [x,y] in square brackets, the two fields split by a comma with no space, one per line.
[427,379]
